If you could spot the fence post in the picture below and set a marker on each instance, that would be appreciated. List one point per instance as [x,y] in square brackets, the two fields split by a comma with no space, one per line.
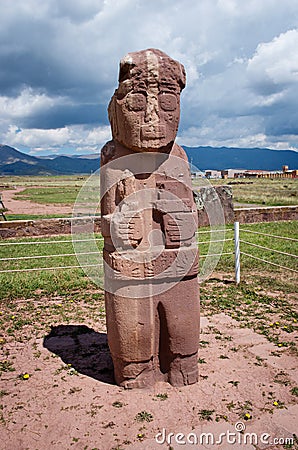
[237,252]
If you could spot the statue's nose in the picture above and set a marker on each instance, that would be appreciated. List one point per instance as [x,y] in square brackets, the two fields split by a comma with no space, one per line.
[152,128]
[152,110]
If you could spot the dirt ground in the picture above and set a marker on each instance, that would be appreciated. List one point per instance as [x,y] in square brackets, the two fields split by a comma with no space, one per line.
[15,206]
[57,387]
[70,401]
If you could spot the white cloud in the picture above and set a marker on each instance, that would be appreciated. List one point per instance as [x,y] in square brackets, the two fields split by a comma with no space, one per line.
[98,135]
[37,137]
[27,103]
[59,67]
[242,132]
[77,137]
[276,62]
[269,100]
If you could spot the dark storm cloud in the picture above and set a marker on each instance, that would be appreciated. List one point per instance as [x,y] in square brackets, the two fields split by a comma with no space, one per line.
[59,67]
[65,115]
[42,47]
[279,124]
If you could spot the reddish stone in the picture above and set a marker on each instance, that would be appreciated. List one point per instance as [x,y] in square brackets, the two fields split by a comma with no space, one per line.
[149,220]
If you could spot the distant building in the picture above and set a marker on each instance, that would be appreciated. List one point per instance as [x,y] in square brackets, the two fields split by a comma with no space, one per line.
[258,174]
[232,173]
[197,174]
[212,173]
[240,173]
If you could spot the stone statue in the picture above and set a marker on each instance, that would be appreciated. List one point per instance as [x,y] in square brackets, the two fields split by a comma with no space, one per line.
[149,220]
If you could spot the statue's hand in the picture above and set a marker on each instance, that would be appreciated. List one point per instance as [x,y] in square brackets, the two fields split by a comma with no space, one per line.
[126,229]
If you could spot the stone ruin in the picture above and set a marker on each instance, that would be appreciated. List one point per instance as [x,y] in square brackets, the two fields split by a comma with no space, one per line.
[149,220]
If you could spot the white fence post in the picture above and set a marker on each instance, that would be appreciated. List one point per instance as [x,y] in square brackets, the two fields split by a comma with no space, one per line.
[237,252]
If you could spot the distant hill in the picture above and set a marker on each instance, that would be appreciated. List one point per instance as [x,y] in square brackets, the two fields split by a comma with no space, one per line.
[9,155]
[22,168]
[14,162]
[241,158]
[68,164]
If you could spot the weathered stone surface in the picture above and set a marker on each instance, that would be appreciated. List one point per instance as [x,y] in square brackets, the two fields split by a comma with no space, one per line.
[149,220]
[207,198]
[266,214]
[46,227]
[144,111]
[150,339]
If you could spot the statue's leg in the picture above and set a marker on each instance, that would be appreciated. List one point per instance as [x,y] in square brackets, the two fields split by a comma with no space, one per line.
[130,327]
[180,324]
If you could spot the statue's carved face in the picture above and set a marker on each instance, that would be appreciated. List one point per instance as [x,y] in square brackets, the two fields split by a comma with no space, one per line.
[145,109]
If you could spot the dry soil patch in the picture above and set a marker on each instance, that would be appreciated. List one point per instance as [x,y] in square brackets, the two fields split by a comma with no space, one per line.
[15,206]
[71,402]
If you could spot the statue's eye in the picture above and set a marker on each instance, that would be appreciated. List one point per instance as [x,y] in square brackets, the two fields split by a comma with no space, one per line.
[136,102]
[167,101]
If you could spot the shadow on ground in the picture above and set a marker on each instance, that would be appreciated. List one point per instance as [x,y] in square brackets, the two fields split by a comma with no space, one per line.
[86,350]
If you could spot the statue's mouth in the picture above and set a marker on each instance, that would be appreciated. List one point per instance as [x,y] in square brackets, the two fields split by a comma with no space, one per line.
[153,131]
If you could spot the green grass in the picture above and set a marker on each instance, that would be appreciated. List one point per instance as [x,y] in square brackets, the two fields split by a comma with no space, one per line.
[50,195]
[269,192]
[26,284]
[265,300]
[144,416]
[44,190]
[11,217]
[45,181]
[250,304]
[265,192]
[51,282]
[274,192]
[206,414]
[287,229]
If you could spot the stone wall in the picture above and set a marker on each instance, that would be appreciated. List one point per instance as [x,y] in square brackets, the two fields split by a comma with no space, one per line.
[43,227]
[266,214]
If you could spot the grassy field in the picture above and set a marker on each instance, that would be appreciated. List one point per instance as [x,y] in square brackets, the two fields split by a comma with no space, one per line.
[33,302]
[8,182]
[265,300]
[63,190]
[275,192]
[51,190]
[50,195]
[25,284]
[286,229]
[52,282]
[34,216]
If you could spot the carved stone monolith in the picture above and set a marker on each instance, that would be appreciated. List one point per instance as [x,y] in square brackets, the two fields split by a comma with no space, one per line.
[149,220]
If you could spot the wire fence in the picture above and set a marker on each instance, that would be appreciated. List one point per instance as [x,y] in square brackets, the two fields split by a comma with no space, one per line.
[41,247]
[205,239]
[266,250]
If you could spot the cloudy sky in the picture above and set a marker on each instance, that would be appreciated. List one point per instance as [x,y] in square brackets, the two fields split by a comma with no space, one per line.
[59,67]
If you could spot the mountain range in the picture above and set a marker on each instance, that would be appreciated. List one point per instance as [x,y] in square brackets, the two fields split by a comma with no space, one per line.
[14,162]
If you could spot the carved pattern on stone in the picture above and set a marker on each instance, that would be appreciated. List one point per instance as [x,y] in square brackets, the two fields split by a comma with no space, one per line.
[149,221]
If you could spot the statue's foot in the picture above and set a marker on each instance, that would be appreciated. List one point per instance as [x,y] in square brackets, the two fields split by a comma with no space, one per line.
[134,375]
[140,382]
[184,370]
